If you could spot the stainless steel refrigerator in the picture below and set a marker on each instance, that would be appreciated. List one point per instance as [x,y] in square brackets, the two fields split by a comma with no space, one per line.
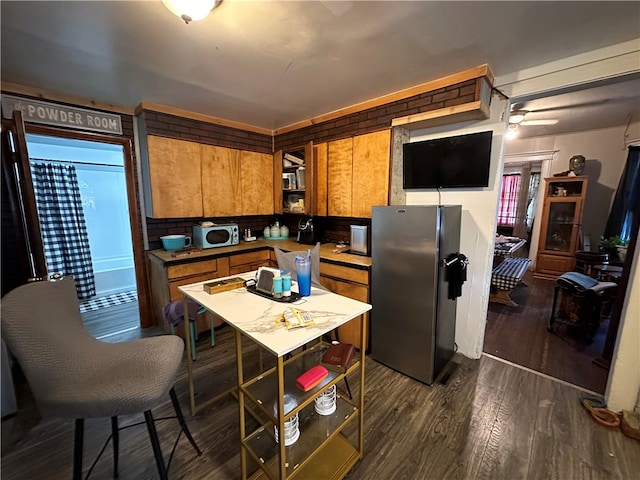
[413,320]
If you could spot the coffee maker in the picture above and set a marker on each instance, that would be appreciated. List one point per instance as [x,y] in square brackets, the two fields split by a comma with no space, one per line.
[308,231]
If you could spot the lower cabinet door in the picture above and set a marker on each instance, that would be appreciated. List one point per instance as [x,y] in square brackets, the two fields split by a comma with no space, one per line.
[350,332]
[554,264]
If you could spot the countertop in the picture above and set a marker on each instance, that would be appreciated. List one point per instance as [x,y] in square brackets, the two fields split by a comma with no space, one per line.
[326,253]
[257,317]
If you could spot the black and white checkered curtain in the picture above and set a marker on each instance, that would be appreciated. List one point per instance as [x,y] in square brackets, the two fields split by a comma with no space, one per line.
[64,231]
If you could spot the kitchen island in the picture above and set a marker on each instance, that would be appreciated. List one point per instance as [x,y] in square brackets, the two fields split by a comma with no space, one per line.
[343,273]
[321,448]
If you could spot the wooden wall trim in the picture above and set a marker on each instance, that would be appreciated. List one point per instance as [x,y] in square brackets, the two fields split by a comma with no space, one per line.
[479,71]
[48,95]
[443,116]
[154,107]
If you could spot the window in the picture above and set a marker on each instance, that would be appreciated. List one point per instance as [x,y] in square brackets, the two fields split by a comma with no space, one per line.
[518,192]
[509,193]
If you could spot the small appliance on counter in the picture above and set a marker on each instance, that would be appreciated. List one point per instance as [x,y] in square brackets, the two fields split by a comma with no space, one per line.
[309,231]
[217,235]
[359,240]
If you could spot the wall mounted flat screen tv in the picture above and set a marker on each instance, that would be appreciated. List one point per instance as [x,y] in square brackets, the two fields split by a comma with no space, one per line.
[453,162]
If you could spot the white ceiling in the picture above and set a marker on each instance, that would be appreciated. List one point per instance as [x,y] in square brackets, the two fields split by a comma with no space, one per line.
[274,63]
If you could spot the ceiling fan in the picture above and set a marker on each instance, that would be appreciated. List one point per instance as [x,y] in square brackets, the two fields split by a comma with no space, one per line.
[518,117]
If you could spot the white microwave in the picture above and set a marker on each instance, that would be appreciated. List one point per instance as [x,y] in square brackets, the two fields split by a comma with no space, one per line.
[221,235]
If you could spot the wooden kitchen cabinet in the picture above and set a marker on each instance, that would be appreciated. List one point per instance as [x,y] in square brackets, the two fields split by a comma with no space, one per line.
[256,183]
[174,178]
[321,178]
[560,225]
[340,178]
[221,185]
[185,179]
[358,174]
[294,197]
[352,283]
[236,182]
[371,160]
[165,280]
[247,262]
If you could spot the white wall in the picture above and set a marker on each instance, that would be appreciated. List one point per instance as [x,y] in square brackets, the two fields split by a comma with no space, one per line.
[479,207]
[620,59]
[623,386]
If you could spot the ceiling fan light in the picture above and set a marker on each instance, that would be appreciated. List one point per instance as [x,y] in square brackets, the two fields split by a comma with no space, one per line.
[189,10]
[517,116]
[512,131]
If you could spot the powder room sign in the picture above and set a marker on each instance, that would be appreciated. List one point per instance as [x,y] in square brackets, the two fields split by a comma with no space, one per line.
[47,113]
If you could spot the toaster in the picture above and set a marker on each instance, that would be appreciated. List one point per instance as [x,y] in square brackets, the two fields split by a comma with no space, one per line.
[359,240]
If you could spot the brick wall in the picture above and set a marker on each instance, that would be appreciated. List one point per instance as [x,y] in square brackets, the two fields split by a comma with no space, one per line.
[157,227]
[374,119]
[202,132]
[380,117]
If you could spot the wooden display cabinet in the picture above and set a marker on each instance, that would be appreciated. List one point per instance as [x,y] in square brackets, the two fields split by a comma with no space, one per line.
[560,225]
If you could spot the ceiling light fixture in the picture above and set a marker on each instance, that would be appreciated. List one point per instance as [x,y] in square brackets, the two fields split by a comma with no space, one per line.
[189,10]
[512,131]
[517,116]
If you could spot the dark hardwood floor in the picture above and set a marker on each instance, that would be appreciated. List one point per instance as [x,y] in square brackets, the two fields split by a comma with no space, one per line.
[117,323]
[520,335]
[491,420]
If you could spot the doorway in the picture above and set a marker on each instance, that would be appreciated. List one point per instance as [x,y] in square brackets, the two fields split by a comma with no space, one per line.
[97,175]
[520,334]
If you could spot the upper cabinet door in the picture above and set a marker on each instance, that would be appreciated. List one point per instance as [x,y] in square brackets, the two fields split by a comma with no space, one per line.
[277,182]
[175,178]
[256,180]
[320,178]
[221,181]
[339,168]
[371,154]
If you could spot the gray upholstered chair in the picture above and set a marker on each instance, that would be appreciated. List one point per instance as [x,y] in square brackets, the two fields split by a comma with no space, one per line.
[73,375]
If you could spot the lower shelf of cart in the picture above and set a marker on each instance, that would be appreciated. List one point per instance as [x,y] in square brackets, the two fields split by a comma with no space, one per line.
[332,462]
[316,433]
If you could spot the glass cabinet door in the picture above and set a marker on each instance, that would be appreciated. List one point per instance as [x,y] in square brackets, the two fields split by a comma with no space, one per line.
[560,224]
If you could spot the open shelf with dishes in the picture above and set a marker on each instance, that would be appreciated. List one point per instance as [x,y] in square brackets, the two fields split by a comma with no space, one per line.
[293,169]
[325,443]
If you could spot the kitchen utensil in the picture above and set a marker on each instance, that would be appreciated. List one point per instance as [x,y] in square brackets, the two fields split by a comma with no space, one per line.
[171,243]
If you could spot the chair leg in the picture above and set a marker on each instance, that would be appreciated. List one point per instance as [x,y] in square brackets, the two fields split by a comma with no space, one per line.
[155,444]
[192,331]
[77,449]
[115,438]
[213,336]
[181,421]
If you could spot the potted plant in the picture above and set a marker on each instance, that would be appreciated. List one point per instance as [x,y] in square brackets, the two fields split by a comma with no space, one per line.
[615,246]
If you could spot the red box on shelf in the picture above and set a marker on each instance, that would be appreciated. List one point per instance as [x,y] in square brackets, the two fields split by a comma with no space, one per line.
[311,377]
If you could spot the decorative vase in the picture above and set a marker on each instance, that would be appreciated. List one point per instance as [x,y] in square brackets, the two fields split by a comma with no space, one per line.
[576,164]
